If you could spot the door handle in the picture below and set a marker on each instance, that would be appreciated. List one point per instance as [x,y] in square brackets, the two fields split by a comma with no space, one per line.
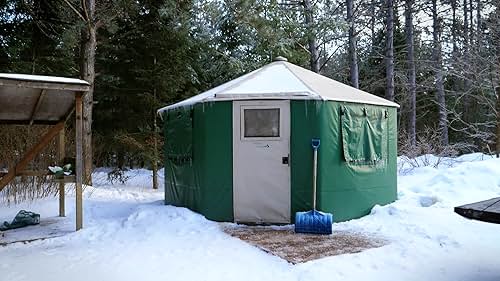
[284,160]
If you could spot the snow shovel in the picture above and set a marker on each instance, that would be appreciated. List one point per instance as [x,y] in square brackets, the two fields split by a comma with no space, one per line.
[314,221]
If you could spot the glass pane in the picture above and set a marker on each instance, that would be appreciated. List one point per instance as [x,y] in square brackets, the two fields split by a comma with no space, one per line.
[262,122]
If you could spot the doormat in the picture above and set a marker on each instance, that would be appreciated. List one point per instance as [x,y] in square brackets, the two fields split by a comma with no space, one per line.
[283,242]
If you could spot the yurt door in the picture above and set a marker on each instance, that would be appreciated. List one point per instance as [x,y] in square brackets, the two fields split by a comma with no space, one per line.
[261,168]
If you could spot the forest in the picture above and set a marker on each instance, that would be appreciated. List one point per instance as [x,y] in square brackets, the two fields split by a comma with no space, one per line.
[438,59]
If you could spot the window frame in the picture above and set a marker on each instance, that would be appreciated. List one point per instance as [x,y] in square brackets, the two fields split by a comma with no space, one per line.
[242,123]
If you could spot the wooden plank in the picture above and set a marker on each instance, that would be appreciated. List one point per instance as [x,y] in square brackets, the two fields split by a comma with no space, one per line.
[487,211]
[44,85]
[28,173]
[37,105]
[44,141]
[79,160]
[482,205]
[66,179]
[61,154]
[28,122]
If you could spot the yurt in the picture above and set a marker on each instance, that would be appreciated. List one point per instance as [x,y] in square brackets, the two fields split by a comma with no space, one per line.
[241,152]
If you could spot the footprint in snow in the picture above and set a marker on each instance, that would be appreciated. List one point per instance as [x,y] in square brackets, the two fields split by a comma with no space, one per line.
[427,201]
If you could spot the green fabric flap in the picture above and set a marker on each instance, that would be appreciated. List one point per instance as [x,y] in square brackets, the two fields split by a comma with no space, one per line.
[179,137]
[363,128]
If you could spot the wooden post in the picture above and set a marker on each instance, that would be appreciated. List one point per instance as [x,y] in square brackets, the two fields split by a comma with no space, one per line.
[61,155]
[79,160]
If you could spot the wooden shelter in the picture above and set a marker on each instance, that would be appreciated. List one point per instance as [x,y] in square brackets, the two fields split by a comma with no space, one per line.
[44,100]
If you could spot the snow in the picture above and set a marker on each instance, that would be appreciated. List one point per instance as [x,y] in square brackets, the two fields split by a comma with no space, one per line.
[40,78]
[282,80]
[274,79]
[130,235]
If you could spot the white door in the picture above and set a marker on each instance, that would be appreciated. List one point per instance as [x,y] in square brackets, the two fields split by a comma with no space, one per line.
[261,170]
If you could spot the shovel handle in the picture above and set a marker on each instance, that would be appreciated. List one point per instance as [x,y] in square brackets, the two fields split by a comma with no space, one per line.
[315,145]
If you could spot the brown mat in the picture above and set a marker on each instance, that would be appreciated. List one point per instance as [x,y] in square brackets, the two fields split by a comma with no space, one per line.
[297,248]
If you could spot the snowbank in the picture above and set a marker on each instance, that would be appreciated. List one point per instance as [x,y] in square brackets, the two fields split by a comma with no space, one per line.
[130,235]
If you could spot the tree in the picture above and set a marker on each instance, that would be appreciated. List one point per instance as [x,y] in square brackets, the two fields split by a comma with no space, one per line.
[389,51]
[496,39]
[311,36]
[353,58]
[88,44]
[87,72]
[411,72]
[437,59]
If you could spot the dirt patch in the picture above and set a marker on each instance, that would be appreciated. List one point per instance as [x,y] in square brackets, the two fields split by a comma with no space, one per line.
[297,248]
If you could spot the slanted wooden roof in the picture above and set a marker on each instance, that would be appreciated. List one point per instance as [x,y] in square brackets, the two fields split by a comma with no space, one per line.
[33,99]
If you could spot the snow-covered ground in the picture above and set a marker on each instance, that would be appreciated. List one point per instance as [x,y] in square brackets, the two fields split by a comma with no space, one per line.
[130,235]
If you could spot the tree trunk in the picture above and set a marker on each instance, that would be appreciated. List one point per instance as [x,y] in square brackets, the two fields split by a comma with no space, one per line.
[372,23]
[412,120]
[471,23]
[312,41]
[478,27]
[155,155]
[496,36]
[454,27]
[498,120]
[353,58]
[389,52]
[466,65]
[466,29]
[437,58]
[87,72]
[154,164]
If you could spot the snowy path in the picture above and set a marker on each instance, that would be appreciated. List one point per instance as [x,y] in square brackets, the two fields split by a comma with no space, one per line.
[130,235]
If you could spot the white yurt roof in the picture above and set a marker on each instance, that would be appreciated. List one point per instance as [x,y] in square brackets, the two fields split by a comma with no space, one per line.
[283,80]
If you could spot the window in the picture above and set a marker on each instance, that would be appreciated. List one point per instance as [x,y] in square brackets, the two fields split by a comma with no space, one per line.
[263,122]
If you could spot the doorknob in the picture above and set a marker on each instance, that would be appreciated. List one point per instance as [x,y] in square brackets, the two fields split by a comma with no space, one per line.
[284,160]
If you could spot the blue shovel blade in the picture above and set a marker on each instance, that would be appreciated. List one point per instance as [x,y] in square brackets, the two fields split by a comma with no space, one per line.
[313,222]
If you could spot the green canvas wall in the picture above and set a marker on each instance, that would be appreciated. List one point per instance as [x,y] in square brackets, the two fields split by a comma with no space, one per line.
[348,190]
[204,184]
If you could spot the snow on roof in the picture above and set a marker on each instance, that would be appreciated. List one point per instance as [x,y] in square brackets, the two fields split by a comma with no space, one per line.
[41,78]
[283,80]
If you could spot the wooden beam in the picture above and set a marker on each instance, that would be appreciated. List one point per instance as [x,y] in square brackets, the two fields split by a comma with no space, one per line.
[44,85]
[27,122]
[37,105]
[79,159]
[44,141]
[28,173]
[61,154]
[70,112]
